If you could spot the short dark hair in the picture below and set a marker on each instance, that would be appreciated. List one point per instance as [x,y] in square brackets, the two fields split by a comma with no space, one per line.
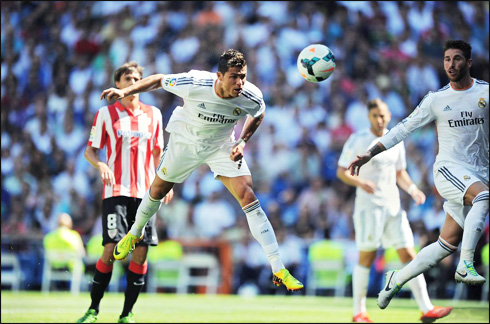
[459,44]
[128,68]
[374,103]
[231,58]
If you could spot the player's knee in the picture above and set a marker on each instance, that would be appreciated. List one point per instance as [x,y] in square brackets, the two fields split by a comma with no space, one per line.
[242,190]
[107,257]
[481,201]
[406,254]
[139,259]
[475,192]
[157,192]
[366,258]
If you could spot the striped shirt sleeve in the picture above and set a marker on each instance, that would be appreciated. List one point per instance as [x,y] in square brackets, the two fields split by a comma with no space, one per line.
[97,137]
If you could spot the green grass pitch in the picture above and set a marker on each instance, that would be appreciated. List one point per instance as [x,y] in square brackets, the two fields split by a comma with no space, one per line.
[62,307]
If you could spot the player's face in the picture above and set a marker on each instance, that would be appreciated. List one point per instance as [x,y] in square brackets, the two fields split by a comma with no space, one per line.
[232,82]
[379,117]
[455,65]
[127,80]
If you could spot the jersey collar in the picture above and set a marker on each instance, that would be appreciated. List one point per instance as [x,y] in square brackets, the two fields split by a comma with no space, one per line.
[120,107]
[472,82]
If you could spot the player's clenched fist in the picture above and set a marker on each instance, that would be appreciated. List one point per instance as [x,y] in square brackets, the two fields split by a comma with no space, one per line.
[236,153]
[112,94]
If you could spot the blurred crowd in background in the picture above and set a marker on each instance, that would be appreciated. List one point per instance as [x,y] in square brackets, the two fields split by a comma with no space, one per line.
[58,56]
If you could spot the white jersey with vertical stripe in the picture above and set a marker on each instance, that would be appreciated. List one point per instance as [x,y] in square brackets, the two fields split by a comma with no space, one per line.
[129,140]
[205,118]
[461,118]
[381,170]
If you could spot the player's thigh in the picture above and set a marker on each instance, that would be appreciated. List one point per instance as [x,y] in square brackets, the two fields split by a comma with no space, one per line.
[456,211]
[452,182]
[368,227]
[397,231]
[221,165]
[179,159]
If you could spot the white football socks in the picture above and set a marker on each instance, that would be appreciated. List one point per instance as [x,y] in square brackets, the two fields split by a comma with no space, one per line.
[360,282]
[263,232]
[146,210]
[427,258]
[474,225]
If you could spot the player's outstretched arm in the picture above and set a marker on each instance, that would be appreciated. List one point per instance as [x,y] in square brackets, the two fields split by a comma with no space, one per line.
[365,158]
[149,83]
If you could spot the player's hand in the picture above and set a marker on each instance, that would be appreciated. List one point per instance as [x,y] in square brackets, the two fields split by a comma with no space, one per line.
[355,165]
[368,186]
[418,196]
[106,174]
[112,94]
[168,197]
[236,153]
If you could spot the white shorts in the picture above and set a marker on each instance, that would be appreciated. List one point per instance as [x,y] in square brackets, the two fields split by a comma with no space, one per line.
[452,182]
[181,157]
[376,227]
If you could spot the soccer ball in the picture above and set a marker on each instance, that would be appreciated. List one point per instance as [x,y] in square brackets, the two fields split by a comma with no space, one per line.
[316,63]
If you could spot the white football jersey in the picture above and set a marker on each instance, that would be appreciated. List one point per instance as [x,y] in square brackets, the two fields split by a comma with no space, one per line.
[461,118]
[381,169]
[205,118]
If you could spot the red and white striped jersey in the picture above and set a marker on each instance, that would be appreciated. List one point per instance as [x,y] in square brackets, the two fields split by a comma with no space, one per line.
[129,140]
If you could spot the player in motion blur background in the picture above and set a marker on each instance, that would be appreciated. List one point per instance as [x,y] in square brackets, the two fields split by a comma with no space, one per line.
[460,110]
[378,216]
[202,131]
[132,133]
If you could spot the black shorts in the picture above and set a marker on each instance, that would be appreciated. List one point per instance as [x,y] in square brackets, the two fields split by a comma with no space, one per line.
[118,214]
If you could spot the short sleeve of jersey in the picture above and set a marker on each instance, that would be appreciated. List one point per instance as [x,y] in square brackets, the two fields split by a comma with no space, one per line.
[98,135]
[349,152]
[181,83]
[420,116]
